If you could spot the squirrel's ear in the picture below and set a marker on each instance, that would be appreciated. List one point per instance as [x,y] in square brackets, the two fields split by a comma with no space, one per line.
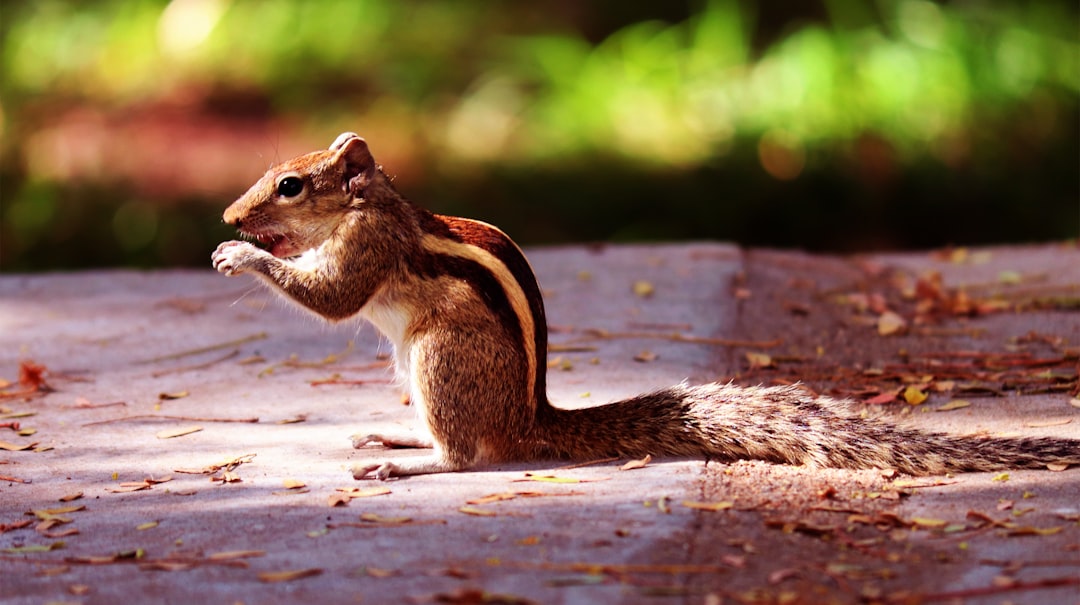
[352,152]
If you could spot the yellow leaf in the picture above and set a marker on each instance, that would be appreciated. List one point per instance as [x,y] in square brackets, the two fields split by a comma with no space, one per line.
[476,512]
[176,395]
[553,479]
[926,522]
[644,289]
[1045,423]
[44,513]
[287,576]
[236,554]
[367,492]
[914,396]
[633,464]
[890,323]
[293,484]
[955,404]
[759,360]
[711,506]
[147,525]
[15,447]
[645,356]
[376,572]
[376,518]
[179,432]
[1001,477]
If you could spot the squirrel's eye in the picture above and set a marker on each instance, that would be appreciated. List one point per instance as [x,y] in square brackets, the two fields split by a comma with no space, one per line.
[290,186]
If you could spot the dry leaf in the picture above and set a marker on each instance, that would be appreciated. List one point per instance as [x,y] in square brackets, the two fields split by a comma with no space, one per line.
[931,523]
[14,447]
[645,356]
[914,396]
[176,395]
[293,484]
[179,432]
[1001,477]
[890,323]
[376,572]
[644,289]
[1045,423]
[476,512]
[881,399]
[338,499]
[47,513]
[236,554]
[287,576]
[377,518]
[710,506]
[759,360]
[633,464]
[146,526]
[1033,531]
[955,404]
[294,419]
[366,492]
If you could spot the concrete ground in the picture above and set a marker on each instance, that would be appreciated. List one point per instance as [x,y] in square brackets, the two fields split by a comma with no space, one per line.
[110,494]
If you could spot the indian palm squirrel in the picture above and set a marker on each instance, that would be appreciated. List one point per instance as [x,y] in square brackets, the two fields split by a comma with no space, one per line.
[461,306]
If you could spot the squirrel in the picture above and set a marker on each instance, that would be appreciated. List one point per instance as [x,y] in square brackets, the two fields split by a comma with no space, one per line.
[460,304]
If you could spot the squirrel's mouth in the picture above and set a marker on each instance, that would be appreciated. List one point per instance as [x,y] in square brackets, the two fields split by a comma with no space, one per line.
[277,244]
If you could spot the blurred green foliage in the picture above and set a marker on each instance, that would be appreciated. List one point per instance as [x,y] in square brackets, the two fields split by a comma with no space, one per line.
[829,125]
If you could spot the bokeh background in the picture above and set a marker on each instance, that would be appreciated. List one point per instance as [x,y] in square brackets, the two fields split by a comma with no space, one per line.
[128,125]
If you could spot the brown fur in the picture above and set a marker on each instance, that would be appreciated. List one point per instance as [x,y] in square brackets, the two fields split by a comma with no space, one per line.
[460,304]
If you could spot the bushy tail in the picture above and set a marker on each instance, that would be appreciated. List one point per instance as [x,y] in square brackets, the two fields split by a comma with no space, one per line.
[779,424]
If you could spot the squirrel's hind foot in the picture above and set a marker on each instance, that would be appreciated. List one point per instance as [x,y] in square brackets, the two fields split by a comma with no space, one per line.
[393,439]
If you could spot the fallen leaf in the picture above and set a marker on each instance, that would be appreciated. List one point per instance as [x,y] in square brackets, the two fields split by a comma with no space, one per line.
[271,577]
[377,518]
[881,399]
[645,356]
[710,506]
[633,464]
[294,419]
[229,555]
[1033,531]
[178,432]
[955,404]
[914,396]
[14,447]
[338,499]
[1057,466]
[176,395]
[644,289]
[476,512]
[1001,477]
[1045,423]
[146,526]
[376,572]
[366,492]
[293,484]
[759,360]
[927,522]
[890,323]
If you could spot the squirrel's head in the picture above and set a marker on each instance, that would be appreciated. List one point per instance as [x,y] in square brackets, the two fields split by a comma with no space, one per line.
[297,204]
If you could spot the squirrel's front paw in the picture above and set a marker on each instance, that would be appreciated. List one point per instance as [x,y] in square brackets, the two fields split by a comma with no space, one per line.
[235,257]
[382,470]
